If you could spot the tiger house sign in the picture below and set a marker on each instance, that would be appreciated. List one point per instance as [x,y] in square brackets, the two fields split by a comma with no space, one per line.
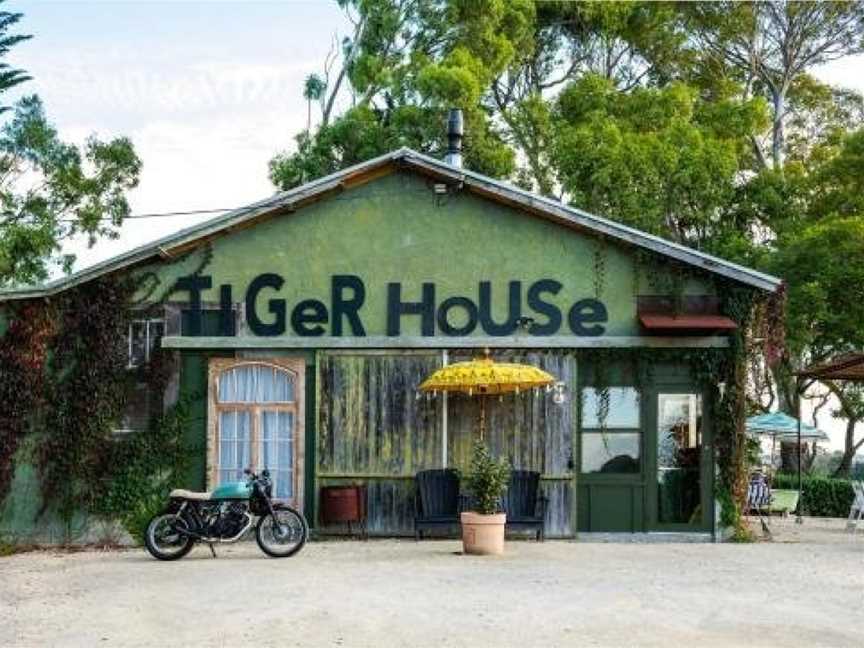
[343,316]
[300,327]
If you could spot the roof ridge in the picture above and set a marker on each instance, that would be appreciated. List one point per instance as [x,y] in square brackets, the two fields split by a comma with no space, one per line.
[571,215]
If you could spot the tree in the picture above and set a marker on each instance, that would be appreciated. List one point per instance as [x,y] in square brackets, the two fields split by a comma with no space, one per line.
[9,76]
[661,160]
[405,63]
[50,190]
[770,44]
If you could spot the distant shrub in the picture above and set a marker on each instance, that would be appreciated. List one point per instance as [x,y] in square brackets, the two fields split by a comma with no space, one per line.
[822,496]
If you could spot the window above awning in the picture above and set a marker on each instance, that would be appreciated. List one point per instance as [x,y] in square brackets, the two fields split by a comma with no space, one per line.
[704,324]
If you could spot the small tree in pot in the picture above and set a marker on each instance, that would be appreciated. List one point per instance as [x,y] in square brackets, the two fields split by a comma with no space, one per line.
[483,528]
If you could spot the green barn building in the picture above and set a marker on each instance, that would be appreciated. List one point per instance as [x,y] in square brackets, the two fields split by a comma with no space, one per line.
[301,326]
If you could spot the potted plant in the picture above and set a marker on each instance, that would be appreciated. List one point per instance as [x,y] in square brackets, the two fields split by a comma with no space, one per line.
[483,528]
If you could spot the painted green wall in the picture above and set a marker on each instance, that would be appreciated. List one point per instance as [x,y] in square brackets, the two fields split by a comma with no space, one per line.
[395,229]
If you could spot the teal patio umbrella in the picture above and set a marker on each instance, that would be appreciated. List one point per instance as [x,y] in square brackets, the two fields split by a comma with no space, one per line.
[784,427]
[778,425]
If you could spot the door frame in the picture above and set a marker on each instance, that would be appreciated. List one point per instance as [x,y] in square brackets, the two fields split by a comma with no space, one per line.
[706,458]
[296,366]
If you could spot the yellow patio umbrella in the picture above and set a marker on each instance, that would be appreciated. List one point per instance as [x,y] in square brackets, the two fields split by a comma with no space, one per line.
[483,377]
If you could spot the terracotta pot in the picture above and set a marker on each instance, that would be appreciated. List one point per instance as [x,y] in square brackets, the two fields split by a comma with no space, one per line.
[483,534]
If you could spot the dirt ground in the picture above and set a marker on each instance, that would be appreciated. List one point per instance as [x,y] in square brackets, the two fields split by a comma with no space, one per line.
[804,589]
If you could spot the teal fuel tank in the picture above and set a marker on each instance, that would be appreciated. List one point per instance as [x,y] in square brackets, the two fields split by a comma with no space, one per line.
[232,490]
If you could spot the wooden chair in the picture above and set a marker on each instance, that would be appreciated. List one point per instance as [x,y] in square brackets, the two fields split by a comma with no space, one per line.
[525,503]
[437,502]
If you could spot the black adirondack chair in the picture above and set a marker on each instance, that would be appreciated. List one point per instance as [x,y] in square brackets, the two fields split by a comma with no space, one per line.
[525,503]
[437,503]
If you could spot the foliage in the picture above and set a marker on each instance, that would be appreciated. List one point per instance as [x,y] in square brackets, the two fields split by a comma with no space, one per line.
[10,76]
[86,392]
[51,191]
[661,160]
[487,479]
[769,46]
[23,351]
[405,64]
[148,465]
[821,496]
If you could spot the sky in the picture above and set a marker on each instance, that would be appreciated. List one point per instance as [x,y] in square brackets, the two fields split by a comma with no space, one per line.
[207,91]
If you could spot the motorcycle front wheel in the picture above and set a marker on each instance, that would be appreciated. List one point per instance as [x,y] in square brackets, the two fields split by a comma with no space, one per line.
[162,538]
[283,536]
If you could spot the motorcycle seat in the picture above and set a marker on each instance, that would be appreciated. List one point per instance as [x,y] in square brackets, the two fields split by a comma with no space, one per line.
[182,493]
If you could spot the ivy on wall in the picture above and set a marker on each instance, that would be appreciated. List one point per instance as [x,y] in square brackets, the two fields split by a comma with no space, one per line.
[23,350]
[86,393]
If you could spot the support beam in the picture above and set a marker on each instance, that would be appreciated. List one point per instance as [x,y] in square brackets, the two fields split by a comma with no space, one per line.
[444,342]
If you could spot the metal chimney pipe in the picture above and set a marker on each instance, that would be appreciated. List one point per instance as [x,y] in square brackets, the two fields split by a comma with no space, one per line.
[455,131]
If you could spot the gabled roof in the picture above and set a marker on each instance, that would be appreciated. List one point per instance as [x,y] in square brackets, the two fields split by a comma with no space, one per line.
[497,190]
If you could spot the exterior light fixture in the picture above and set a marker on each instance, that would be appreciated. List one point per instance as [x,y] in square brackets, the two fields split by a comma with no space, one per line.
[559,397]
[439,188]
[524,324]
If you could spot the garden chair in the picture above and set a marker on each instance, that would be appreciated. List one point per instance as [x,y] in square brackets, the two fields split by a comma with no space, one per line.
[856,511]
[437,502]
[759,498]
[525,503]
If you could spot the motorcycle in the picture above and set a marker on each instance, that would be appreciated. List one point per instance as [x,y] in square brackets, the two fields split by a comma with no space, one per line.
[225,515]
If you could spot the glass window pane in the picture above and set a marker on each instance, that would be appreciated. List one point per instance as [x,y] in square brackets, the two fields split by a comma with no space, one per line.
[679,448]
[623,408]
[255,383]
[235,439]
[277,450]
[137,353]
[613,452]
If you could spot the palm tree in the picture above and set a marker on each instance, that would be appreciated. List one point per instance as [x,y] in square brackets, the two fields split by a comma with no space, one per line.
[313,90]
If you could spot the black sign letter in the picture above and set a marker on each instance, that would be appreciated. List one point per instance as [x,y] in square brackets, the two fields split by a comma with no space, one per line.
[588,311]
[396,308]
[194,284]
[347,307]
[551,311]
[309,311]
[276,306]
[514,309]
[457,302]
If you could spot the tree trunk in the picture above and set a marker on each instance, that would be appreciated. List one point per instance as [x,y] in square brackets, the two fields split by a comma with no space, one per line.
[778,144]
[789,457]
[849,450]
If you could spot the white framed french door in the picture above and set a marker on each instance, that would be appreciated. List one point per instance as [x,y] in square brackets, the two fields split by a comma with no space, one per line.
[256,421]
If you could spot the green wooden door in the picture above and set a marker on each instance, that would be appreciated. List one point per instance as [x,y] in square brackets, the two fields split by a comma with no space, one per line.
[680,485]
[611,460]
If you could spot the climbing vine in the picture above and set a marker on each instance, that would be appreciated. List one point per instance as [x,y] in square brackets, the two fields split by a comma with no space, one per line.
[86,388]
[23,350]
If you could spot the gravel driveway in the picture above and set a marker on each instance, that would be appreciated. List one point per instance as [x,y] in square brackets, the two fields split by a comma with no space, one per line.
[402,593]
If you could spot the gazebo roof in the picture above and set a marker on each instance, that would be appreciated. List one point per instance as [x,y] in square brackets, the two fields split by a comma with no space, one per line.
[849,366]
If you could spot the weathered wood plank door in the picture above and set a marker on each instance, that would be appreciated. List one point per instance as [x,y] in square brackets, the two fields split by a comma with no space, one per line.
[373,429]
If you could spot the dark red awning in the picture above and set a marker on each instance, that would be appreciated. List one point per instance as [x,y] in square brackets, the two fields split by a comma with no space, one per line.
[685,323]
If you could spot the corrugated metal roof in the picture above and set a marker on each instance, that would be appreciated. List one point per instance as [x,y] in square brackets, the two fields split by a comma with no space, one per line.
[493,189]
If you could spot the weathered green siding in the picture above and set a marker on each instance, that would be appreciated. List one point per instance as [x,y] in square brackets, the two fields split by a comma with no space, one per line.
[395,229]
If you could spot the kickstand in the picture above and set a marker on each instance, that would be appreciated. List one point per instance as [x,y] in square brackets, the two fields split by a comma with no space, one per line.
[212,550]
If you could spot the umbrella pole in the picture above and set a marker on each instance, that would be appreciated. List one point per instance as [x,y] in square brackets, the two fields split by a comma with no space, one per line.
[799,519]
[482,417]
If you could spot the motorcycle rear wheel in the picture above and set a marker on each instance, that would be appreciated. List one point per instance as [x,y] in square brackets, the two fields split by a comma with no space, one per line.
[285,536]
[163,541]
